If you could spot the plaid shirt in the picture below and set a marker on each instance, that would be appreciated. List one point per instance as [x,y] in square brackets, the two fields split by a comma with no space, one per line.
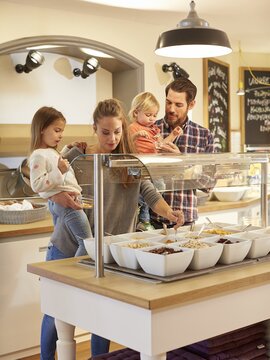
[195,139]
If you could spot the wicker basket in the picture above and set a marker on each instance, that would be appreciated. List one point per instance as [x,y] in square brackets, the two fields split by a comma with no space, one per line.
[23,216]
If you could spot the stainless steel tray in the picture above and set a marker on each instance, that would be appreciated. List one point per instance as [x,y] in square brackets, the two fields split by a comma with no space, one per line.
[185,275]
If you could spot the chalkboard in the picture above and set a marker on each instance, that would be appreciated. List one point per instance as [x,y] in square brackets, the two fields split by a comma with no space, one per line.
[255,106]
[216,76]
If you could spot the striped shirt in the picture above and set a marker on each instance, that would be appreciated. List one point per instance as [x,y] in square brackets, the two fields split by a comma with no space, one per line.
[195,139]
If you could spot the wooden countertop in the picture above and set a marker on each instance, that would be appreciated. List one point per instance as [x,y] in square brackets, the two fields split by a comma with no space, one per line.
[153,296]
[37,227]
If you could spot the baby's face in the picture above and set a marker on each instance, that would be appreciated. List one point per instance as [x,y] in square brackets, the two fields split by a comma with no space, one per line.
[147,118]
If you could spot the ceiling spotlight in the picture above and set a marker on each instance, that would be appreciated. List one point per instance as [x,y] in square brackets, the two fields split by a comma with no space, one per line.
[90,66]
[176,70]
[193,38]
[241,90]
[33,60]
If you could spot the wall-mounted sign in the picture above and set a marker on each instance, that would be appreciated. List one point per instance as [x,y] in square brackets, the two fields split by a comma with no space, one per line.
[255,107]
[217,101]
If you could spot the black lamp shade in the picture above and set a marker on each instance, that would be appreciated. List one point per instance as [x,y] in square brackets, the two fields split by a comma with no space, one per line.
[200,42]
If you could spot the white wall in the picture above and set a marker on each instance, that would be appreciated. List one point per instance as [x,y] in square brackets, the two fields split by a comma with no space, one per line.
[52,84]
[130,35]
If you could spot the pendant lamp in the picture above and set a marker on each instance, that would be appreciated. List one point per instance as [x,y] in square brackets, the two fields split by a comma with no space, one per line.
[193,38]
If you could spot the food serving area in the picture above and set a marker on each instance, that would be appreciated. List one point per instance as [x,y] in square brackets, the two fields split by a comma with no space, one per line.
[147,317]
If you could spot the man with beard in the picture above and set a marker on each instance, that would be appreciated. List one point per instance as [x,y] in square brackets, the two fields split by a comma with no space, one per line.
[180,98]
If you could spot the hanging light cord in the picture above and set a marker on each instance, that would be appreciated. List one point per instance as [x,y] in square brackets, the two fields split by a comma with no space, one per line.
[250,71]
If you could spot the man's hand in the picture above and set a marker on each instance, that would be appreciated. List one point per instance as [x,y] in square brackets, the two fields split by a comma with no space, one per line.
[67,200]
[168,148]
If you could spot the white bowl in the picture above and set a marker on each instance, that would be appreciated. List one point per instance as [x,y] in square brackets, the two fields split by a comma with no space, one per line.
[194,235]
[234,193]
[205,257]
[164,264]
[260,242]
[235,252]
[125,255]
[89,244]
[140,235]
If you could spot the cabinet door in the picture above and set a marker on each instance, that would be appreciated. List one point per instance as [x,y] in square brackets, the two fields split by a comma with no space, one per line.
[19,292]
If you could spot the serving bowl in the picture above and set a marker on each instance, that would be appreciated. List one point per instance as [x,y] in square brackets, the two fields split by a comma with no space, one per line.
[206,253]
[235,249]
[164,264]
[89,244]
[260,242]
[124,252]
[234,193]
[140,235]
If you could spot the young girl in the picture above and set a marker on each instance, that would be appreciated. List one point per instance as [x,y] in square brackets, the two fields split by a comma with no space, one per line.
[51,174]
[144,132]
[146,137]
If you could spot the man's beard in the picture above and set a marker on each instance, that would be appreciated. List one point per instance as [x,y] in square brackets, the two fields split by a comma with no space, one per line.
[178,121]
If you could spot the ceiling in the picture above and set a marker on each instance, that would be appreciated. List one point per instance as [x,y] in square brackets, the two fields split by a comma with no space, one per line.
[242,20]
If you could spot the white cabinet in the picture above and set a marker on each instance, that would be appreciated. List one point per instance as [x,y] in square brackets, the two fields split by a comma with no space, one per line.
[19,293]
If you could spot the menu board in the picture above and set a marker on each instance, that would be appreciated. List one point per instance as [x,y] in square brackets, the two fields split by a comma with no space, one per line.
[217,102]
[255,106]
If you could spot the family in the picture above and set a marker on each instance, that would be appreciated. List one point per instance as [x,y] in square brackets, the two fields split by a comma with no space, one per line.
[54,179]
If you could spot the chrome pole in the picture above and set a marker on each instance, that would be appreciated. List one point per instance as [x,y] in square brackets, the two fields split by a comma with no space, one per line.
[98,215]
[264,195]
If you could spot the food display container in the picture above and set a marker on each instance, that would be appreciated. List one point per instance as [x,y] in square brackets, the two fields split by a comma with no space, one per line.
[206,253]
[89,244]
[234,193]
[260,242]
[234,249]
[124,252]
[164,264]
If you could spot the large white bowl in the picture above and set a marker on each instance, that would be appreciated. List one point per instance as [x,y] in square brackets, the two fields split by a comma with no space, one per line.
[260,242]
[125,255]
[89,244]
[140,235]
[205,257]
[233,253]
[234,193]
[164,265]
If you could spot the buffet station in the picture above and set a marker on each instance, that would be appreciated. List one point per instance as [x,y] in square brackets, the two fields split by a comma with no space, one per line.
[159,290]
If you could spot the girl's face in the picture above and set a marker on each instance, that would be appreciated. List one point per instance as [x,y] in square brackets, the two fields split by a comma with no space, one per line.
[109,133]
[147,118]
[52,135]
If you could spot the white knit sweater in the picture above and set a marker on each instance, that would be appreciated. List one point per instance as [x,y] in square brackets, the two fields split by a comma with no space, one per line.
[45,177]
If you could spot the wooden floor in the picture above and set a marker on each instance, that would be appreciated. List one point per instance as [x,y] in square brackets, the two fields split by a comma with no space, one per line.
[82,351]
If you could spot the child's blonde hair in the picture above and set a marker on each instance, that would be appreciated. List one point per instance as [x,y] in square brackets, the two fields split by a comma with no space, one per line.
[142,102]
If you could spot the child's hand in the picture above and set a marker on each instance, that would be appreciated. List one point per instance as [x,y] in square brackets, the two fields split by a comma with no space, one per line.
[177,131]
[141,133]
[63,165]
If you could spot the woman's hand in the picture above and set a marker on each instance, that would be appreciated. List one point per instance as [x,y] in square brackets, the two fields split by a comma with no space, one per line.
[168,148]
[81,145]
[176,216]
[67,200]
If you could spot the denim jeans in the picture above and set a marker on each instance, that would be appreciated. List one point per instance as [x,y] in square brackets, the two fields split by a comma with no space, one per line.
[48,329]
[75,221]
[99,345]
[144,215]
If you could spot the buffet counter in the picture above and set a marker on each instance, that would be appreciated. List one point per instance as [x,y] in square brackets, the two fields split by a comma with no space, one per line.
[149,317]
[37,227]
[44,226]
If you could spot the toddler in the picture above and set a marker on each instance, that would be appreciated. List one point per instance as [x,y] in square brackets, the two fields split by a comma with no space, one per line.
[146,136]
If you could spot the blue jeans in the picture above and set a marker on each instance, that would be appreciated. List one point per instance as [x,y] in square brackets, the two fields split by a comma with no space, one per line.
[48,329]
[144,215]
[75,221]
[99,345]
